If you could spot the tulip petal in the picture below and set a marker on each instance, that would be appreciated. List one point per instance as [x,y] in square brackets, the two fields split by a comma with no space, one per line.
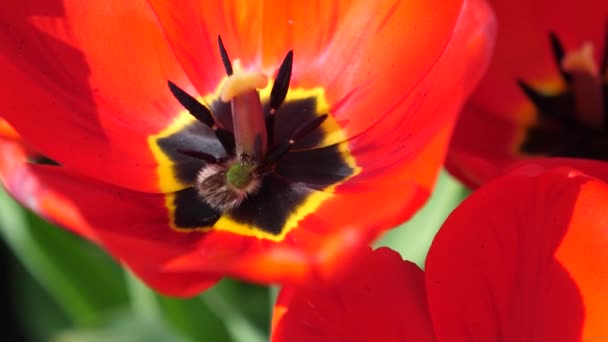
[337,46]
[136,229]
[436,100]
[7,131]
[131,226]
[523,50]
[490,132]
[384,300]
[523,258]
[328,240]
[85,83]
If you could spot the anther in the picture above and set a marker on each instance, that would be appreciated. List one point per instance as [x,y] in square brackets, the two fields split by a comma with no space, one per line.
[301,132]
[308,127]
[281,83]
[195,108]
[224,55]
[558,55]
[279,91]
[204,115]
[535,96]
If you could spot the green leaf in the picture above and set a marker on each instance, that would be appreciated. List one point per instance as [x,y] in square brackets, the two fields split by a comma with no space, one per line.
[243,308]
[33,308]
[124,328]
[193,319]
[84,281]
[88,285]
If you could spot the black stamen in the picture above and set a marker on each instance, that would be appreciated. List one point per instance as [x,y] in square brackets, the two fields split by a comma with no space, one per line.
[537,98]
[558,54]
[224,54]
[604,67]
[42,160]
[549,106]
[270,129]
[308,127]
[197,109]
[279,150]
[203,114]
[199,155]
[279,92]
[281,83]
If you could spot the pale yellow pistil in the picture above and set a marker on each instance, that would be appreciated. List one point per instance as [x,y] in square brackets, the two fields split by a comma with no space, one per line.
[241,82]
[248,116]
[586,86]
[225,186]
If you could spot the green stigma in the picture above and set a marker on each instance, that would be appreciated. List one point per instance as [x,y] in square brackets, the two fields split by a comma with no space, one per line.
[240,175]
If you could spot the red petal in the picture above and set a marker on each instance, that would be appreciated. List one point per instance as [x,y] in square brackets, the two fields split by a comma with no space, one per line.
[350,48]
[523,259]
[523,49]
[132,226]
[492,125]
[482,146]
[332,236]
[389,189]
[86,82]
[7,131]
[328,241]
[430,110]
[383,300]
[316,251]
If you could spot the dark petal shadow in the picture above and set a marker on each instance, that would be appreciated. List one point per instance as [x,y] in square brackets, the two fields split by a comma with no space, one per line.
[66,78]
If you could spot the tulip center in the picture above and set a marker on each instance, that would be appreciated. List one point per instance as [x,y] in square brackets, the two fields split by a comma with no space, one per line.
[225,185]
[573,122]
[253,157]
[251,150]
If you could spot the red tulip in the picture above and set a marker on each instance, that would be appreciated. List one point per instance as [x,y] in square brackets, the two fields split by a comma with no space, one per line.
[545,96]
[187,167]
